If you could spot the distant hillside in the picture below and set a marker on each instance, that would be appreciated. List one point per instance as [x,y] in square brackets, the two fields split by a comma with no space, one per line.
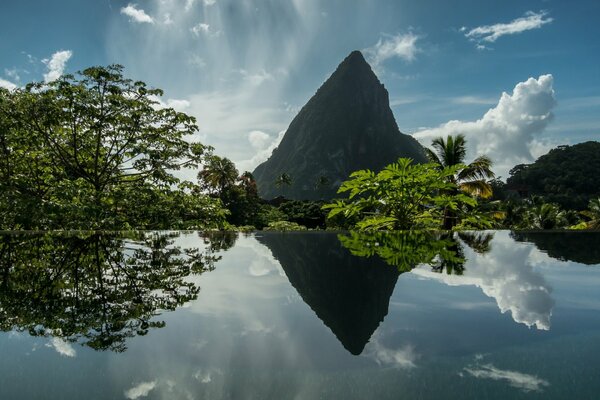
[347,125]
[567,175]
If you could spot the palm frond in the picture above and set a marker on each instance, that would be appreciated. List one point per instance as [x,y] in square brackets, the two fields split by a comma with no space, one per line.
[478,188]
[480,168]
[433,157]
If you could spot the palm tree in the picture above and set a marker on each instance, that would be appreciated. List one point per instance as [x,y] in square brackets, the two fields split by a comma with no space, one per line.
[218,174]
[473,178]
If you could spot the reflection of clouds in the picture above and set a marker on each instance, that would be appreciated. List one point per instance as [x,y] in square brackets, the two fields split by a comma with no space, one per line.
[505,274]
[140,390]
[263,263]
[515,379]
[231,292]
[256,327]
[402,357]
[63,348]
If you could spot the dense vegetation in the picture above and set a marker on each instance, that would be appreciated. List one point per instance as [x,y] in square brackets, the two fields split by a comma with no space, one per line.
[98,151]
[95,151]
[568,176]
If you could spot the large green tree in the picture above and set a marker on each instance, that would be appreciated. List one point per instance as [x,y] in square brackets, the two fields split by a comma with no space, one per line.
[78,148]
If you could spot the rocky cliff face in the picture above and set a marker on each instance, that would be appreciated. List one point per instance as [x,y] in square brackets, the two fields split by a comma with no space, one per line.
[347,125]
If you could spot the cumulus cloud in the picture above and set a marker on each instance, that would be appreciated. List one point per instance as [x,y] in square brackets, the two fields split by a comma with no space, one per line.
[508,132]
[7,84]
[137,14]
[258,139]
[491,33]
[141,390]
[402,46]
[63,348]
[505,274]
[519,380]
[56,65]
[262,154]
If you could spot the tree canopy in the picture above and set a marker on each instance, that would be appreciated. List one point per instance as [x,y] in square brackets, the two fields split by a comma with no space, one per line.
[84,150]
[567,175]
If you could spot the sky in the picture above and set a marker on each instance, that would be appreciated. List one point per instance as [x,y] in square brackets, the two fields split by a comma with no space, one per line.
[516,77]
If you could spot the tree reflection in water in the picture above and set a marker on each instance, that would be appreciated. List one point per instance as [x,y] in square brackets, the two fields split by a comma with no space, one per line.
[97,289]
[405,250]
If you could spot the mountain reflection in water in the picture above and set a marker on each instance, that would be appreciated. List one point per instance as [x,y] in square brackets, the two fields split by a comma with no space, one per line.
[102,289]
[349,294]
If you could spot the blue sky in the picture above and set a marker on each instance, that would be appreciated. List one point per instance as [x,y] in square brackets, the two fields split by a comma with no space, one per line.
[245,67]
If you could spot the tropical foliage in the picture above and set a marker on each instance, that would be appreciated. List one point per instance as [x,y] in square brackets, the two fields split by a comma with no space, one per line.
[404,196]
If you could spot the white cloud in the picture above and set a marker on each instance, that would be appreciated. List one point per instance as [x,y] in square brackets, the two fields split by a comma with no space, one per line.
[56,65]
[505,274]
[402,46]
[490,33]
[519,380]
[261,155]
[141,390]
[7,85]
[227,103]
[258,139]
[167,19]
[177,104]
[508,132]
[200,28]
[137,14]
[62,347]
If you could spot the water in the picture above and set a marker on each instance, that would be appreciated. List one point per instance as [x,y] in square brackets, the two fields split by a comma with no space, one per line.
[300,316]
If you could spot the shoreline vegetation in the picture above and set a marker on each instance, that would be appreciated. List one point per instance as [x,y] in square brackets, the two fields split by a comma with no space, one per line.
[95,151]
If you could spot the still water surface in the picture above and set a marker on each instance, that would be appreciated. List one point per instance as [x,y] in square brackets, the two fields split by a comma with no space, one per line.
[300,316]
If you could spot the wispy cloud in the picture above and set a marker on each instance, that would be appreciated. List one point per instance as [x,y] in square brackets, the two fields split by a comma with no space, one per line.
[491,33]
[403,46]
[137,14]
[141,390]
[7,84]
[507,131]
[204,29]
[519,380]
[56,64]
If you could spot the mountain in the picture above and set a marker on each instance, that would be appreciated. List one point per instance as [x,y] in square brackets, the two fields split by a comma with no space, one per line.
[567,175]
[346,126]
[351,295]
